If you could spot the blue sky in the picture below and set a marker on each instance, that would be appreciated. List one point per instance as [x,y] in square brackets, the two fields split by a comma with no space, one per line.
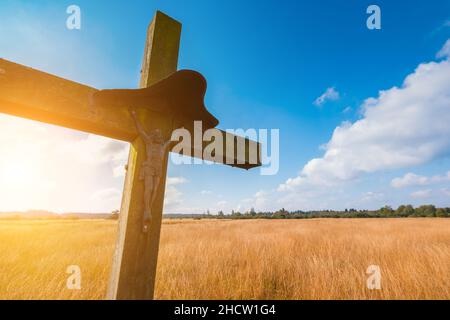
[266,63]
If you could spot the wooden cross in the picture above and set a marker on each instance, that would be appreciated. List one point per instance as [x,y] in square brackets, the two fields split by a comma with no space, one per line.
[28,93]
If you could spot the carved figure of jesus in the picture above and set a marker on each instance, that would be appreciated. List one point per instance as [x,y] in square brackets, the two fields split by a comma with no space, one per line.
[151,170]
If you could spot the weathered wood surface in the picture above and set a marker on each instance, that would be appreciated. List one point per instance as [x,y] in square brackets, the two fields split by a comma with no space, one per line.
[136,254]
[36,95]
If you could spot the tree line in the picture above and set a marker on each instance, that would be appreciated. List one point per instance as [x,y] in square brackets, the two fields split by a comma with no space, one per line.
[402,211]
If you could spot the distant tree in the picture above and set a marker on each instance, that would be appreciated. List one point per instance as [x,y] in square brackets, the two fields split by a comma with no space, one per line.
[441,213]
[409,210]
[387,210]
[235,214]
[115,214]
[281,214]
[401,209]
[426,211]
[405,211]
[221,214]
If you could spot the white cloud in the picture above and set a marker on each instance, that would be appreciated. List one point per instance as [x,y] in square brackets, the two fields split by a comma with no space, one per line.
[445,51]
[173,181]
[173,198]
[443,26]
[259,201]
[347,110]
[402,127]
[222,204]
[96,150]
[205,192]
[421,194]
[330,95]
[372,196]
[411,179]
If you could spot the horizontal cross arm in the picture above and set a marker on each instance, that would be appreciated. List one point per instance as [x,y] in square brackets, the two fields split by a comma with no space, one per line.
[36,95]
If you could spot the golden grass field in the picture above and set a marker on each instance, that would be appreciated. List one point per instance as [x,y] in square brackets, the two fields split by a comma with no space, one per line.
[254,259]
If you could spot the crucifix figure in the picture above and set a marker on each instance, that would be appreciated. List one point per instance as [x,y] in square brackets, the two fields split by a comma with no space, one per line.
[168,100]
[179,96]
[151,170]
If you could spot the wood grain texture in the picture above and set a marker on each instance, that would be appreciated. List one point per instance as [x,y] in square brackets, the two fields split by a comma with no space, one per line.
[135,259]
[36,95]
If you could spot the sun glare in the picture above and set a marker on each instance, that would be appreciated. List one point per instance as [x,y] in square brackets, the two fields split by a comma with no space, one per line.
[17,174]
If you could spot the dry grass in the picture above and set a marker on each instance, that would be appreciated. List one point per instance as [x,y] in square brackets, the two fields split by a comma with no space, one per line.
[298,259]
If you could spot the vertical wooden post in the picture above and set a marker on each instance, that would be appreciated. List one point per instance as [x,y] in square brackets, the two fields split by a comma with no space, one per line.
[135,259]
